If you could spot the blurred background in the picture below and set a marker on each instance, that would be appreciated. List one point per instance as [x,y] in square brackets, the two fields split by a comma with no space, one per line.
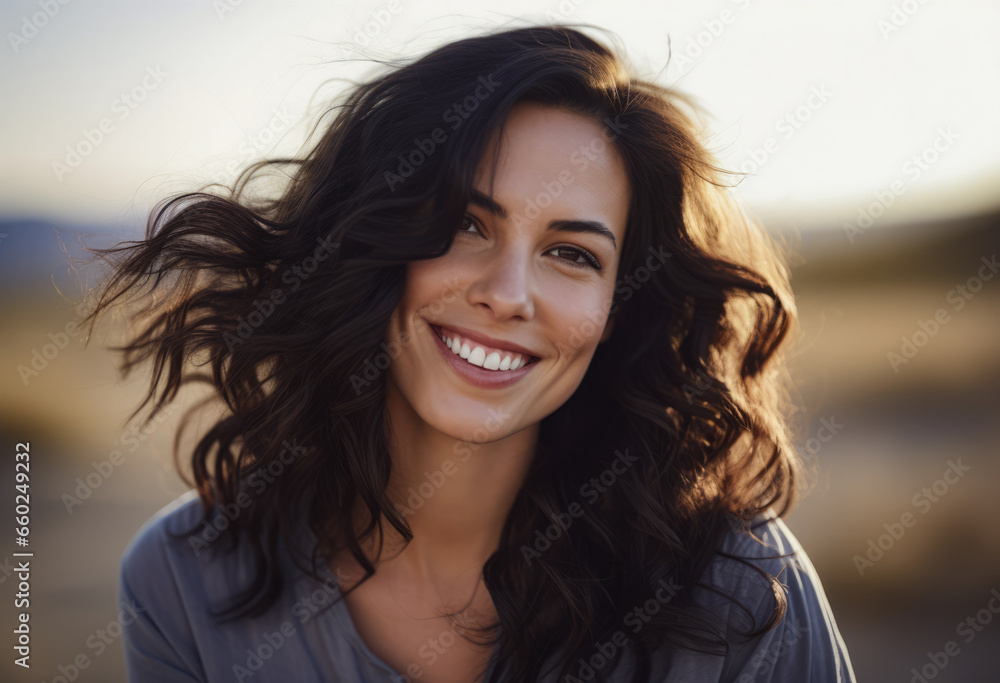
[869,133]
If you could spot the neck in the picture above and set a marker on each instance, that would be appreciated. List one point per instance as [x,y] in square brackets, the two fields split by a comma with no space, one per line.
[455,495]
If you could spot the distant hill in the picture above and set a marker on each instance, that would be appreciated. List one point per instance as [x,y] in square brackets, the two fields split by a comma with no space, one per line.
[36,252]
[35,249]
[929,251]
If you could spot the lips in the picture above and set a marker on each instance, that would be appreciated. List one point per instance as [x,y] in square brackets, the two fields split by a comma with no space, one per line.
[477,375]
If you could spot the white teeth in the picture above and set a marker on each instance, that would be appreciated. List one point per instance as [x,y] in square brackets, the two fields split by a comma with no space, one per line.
[477,356]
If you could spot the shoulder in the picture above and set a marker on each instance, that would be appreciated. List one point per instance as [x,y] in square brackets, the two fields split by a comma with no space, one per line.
[162,565]
[177,575]
[162,590]
[176,550]
[806,644]
[152,550]
[767,546]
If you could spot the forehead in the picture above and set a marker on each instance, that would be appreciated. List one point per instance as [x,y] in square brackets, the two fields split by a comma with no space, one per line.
[561,162]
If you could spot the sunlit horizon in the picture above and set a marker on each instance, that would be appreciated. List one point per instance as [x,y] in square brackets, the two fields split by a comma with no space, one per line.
[829,109]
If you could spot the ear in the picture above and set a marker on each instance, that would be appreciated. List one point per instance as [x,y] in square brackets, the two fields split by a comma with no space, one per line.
[608,326]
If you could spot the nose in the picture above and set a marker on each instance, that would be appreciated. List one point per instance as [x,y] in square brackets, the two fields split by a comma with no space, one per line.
[504,285]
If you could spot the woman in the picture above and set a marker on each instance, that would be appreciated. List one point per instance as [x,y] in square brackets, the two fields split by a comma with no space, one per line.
[502,372]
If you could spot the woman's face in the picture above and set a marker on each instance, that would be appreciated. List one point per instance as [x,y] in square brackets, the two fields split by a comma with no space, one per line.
[514,277]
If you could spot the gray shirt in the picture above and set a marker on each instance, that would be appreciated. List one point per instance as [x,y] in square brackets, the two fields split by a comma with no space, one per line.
[167,586]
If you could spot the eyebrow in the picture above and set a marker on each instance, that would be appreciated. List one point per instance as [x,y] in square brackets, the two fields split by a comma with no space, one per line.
[594,227]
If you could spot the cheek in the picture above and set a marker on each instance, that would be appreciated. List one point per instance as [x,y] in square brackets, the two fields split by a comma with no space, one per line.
[581,324]
[431,286]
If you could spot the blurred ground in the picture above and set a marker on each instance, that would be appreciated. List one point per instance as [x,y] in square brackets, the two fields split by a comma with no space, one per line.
[897,433]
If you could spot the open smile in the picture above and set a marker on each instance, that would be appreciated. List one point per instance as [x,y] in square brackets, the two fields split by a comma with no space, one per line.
[481,364]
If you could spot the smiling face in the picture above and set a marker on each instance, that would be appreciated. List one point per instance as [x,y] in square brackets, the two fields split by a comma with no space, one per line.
[532,268]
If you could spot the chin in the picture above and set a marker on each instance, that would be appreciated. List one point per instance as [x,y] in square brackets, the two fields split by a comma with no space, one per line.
[473,425]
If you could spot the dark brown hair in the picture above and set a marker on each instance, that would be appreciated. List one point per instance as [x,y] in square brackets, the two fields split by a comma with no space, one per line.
[284,300]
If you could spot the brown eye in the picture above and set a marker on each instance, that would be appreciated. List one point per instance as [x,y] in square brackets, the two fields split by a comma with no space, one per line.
[589,260]
[575,253]
[468,219]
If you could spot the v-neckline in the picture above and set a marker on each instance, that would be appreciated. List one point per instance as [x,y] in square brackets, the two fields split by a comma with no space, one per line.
[347,621]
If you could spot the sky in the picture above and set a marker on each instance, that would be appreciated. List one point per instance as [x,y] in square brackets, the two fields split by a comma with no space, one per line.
[833,107]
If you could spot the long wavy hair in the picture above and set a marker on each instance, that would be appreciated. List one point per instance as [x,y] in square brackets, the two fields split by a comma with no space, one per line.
[286,294]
